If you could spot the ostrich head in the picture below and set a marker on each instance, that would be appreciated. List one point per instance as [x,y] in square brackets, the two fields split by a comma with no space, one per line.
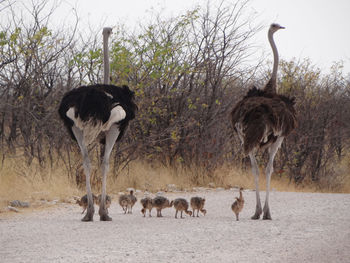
[107,31]
[274,27]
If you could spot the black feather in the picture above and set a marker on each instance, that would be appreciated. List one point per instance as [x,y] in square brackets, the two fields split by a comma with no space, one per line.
[95,103]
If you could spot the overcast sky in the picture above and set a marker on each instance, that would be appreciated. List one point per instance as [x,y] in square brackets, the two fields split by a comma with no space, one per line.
[315,29]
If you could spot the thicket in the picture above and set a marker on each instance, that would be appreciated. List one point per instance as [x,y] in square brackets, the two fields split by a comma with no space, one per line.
[187,71]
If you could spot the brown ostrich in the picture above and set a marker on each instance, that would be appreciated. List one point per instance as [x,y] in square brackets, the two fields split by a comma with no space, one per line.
[181,204]
[160,202]
[237,205]
[197,203]
[83,201]
[262,119]
[146,204]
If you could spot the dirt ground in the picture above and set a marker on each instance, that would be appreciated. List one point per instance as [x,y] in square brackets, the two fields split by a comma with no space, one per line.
[306,227]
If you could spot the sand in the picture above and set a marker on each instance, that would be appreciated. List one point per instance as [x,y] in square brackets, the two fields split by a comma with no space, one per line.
[306,227]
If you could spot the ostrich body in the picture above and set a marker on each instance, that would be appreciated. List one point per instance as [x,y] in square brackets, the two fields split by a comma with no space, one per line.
[132,200]
[127,202]
[237,205]
[160,202]
[197,203]
[262,119]
[83,201]
[146,204]
[181,204]
[97,110]
[124,202]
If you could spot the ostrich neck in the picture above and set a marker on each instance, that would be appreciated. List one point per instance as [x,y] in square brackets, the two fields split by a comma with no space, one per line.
[105,59]
[275,57]
[240,195]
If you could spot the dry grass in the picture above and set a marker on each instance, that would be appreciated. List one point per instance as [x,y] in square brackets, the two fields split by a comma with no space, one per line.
[19,182]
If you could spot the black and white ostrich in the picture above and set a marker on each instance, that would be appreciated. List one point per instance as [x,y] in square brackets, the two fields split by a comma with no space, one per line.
[100,110]
[262,119]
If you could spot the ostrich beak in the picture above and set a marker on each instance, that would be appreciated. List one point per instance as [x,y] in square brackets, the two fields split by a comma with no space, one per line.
[282,27]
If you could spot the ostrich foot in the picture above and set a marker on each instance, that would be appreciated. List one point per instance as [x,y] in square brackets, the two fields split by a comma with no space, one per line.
[257,214]
[88,217]
[105,217]
[267,215]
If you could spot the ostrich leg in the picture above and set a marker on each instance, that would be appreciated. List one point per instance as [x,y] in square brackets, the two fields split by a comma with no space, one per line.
[255,170]
[111,137]
[269,169]
[86,164]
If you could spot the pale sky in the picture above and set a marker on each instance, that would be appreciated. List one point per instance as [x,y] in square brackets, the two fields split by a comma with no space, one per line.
[315,29]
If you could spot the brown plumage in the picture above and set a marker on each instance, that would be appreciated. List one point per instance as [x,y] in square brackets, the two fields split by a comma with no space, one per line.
[132,201]
[262,117]
[181,204]
[237,206]
[146,204]
[84,201]
[197,203]
[127,202]
[160,202]
[123,202]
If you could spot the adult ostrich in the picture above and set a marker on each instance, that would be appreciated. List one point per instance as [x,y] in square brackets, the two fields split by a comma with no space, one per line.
[262,119]
[103,111]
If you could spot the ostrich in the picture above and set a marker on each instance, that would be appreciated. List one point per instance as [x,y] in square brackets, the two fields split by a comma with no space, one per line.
[181,204]
[93,111]
[262,119]
[197,203]
[237,205]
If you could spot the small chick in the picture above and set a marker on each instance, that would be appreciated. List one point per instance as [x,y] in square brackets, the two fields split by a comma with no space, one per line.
[237,206]
[84,201]
[197,203]
[146,204]
[127,202]
[123,202]
[132,200]
[181,204]
[160,202]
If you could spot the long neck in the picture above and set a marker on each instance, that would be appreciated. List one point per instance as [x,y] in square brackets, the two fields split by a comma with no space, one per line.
[105,59]
[275,59]
[240,195]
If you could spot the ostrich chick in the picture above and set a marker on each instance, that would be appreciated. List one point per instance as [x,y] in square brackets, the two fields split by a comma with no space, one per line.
[197,203]
[146,204]
[132,201]
[237,206]
[84,201]
[181,204]
[127,202]
[160,202]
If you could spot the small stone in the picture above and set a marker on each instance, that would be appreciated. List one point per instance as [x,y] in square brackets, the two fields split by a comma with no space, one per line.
[11,208]
[211,185]
[17,203]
